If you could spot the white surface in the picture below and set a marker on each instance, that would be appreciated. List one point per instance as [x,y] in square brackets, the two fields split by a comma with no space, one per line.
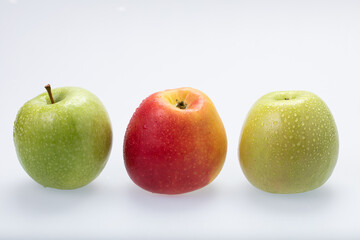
[235,51]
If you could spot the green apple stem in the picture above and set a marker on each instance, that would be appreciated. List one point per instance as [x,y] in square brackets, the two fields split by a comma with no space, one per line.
[48,89]
[181,104]
[286,98]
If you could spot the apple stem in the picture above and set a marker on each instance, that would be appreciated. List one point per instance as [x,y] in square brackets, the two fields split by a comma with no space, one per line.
[48,89]
[286,98]
[181,104]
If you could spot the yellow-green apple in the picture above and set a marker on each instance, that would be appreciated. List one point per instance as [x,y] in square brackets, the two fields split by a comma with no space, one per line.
[63,137]
[289,142]
[175,142]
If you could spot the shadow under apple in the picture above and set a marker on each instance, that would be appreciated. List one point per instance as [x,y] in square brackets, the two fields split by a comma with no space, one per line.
[171,203]
[33,198]
[309,202]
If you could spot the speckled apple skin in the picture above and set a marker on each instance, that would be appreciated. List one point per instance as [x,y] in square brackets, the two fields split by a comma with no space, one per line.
[169,150]
[63,145]
[289,146]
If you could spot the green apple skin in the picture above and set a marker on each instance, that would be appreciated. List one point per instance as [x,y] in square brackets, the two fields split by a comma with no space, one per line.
[64,145]
[289,142]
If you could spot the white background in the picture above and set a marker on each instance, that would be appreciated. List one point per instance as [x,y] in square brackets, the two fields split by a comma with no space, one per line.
[235,52]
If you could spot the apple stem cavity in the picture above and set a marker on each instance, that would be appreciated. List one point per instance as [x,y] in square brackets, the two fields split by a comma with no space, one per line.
[181,104]
[286,98]
[48,89]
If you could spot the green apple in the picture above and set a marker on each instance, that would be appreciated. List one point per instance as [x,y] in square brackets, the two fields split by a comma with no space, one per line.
[289,142]
[63,139]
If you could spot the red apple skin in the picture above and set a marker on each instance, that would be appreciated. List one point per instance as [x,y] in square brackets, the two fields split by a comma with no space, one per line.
[169,150]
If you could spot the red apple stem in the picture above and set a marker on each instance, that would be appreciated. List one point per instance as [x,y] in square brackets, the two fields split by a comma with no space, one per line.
[48,89]
[181,104]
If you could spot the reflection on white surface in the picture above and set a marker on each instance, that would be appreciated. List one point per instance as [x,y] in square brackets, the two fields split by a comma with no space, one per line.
[235,52]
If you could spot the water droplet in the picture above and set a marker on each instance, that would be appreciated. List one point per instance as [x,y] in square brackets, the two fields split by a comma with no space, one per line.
[144,126]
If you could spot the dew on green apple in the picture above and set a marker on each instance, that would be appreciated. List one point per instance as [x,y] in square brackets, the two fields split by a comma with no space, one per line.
[303,125]
[46,146]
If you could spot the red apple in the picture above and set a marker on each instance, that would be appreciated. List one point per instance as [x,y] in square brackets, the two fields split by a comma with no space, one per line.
[175,142]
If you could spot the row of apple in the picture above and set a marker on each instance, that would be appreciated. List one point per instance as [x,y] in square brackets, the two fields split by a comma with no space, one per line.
[175,141]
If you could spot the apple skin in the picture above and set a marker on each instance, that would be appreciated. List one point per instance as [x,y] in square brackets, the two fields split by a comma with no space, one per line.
[289,142]
[169,150]
[63,145]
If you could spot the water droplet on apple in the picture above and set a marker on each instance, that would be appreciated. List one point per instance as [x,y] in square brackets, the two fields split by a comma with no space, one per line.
[144,126]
